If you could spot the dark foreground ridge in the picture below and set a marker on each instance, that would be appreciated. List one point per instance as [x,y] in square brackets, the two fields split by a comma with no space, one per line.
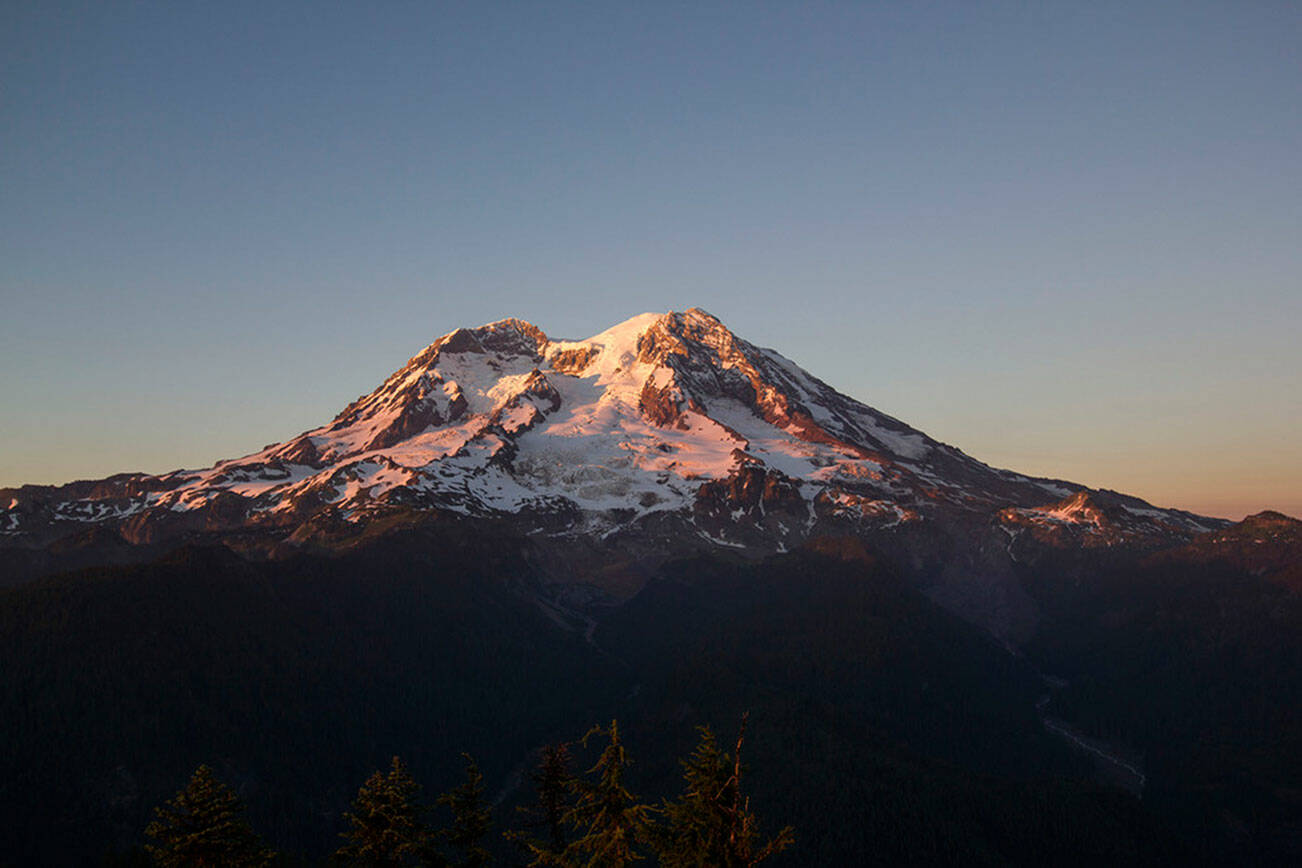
[885,729]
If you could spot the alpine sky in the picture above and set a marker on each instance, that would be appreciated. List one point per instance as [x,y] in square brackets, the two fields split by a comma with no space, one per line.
[1063,237]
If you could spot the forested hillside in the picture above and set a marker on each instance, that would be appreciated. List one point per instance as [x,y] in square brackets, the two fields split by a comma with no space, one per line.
[881,727]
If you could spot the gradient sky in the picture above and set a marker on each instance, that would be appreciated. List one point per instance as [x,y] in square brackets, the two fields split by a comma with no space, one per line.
[1066,238]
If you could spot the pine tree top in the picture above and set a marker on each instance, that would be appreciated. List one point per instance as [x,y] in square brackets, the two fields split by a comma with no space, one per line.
[612,823]
[204,825]
[471,818]
[385,826]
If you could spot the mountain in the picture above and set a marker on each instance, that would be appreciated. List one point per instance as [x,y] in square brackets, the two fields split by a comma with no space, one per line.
[516,536]
[662,436]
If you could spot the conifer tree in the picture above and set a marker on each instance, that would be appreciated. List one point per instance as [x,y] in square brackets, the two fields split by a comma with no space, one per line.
[711,825]
[204,825]
[471,819]
[543,837]
[611,824]
[385,827]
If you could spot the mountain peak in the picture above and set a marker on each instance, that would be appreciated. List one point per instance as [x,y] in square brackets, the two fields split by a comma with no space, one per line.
[1272,518]
[508,335]
[665,420]
[695,319]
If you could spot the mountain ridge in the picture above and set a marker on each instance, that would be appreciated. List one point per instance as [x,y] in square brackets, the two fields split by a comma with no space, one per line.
[664,434]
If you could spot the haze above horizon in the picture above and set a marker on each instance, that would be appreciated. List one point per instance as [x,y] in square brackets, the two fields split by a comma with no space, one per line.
[1062,239]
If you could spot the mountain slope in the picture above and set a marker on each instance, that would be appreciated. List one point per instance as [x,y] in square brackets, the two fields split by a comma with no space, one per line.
[1189,658]
[664,425]
[877,718]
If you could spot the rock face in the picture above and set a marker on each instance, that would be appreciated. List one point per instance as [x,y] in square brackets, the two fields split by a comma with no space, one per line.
[662,435]
[1097,519]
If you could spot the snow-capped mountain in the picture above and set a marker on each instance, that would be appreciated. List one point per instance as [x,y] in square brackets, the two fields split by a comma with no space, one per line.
[664,416]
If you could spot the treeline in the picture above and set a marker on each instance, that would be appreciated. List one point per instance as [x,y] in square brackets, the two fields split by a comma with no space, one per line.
[576,818]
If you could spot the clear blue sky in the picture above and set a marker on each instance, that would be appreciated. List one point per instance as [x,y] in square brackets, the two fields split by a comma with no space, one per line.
[1064,237]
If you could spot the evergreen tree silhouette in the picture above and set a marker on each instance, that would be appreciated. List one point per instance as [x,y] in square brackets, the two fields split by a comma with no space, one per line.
[385,827]
[611,824]
[471,819]
[711,824]
[553,784]
[204,825]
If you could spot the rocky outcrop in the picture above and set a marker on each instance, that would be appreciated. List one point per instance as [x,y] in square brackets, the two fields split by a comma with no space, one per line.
[573,361]
[1098,519]
[660,404]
